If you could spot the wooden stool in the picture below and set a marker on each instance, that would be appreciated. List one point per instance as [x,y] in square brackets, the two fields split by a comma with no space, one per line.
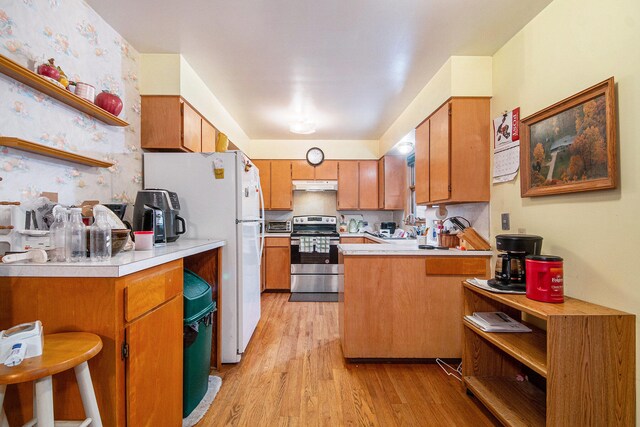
[61,352]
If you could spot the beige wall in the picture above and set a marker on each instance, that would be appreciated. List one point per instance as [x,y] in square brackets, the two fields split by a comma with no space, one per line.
[297,149]
[177,77]
[568,47]
[459,76]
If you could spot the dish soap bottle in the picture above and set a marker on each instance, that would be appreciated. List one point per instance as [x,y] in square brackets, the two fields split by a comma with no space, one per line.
[100,238]
[76,237]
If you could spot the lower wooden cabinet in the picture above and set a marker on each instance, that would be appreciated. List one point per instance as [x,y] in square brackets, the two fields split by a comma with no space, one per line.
[137,376]
[277,263]
[153,370]
[404,306]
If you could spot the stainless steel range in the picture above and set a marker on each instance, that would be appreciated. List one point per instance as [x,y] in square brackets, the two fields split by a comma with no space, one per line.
[314,254]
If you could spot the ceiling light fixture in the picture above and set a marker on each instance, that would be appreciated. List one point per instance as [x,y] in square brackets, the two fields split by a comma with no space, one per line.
[405,147]
[303,127]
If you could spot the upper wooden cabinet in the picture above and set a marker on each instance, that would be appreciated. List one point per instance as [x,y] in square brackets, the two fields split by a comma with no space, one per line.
[357,185]
[281,187]
[368,184]
[209,134]
[275,180]
[422,163]
[327,170]
[392,182]
[169,123]
[302,170]
[264,168]
[348,185]
[452,153]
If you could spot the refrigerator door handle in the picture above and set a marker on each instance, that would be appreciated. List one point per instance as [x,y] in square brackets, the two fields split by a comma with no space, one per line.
[262,228]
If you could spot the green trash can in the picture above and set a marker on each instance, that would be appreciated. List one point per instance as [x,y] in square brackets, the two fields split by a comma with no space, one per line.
[198,321]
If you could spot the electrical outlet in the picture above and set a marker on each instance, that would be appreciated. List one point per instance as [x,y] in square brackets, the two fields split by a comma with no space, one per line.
[506,223]
[522,231]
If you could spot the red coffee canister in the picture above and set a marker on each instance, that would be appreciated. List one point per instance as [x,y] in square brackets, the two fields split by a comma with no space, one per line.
[545,280]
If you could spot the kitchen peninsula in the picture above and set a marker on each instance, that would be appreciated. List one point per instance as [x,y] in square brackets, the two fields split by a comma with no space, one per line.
[134,303]
[401,302]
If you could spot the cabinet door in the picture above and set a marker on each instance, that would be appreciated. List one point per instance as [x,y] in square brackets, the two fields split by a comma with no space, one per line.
[301,169]
[264,166]
[161,123]
[392,182]
[470,150]
[422,163]
[381,183]
[208,137]
[191,129]
[278,267]
[281,189]
[368,184]
[154,367]
[347,185]
[327,170]
[439,155]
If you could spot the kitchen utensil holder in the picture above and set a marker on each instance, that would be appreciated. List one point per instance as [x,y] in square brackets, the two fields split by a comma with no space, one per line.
[448,240]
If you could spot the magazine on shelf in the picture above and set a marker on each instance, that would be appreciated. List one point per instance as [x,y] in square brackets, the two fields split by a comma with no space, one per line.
[496,321]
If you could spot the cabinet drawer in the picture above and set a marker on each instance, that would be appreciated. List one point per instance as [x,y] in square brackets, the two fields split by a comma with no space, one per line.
[457,266]
[274,242]
[150,288]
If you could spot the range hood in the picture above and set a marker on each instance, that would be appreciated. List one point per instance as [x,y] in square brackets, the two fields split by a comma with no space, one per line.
[315,185]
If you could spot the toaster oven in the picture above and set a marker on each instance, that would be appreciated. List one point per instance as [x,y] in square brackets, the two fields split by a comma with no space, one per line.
[278,226]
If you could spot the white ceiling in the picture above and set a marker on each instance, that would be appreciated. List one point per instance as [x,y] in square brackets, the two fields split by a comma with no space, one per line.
[352,66]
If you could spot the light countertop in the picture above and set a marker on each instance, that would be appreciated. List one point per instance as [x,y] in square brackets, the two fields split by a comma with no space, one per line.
[377,239]
[267,235]
[120,265]
[405,248]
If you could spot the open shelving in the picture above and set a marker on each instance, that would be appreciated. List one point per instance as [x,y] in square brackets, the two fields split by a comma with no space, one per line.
[41,84]
[33,147]
[582,361]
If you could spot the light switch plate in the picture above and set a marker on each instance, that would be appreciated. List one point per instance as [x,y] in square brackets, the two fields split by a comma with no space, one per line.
[506,222]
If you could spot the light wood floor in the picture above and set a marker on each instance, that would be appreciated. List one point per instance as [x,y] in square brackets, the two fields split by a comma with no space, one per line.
[293,373]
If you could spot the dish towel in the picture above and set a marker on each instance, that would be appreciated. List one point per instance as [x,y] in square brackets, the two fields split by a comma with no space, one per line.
[322,245]
[306,244]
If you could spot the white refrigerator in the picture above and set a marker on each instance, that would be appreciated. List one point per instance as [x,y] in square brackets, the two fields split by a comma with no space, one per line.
[220,197]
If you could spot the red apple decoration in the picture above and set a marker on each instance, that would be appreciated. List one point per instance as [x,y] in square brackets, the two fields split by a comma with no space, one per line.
[109,102]
[49,70]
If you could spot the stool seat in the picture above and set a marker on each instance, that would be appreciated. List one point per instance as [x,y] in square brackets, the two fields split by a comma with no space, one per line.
[61,352]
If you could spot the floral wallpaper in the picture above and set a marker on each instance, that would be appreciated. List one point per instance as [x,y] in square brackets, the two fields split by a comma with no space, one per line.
[88,50]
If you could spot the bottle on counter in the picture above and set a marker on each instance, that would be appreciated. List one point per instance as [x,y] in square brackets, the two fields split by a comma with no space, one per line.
[58,237]
[100,238]
[76,237]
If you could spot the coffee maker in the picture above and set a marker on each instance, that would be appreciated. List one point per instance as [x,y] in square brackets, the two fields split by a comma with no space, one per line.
[157,210]
[510,272]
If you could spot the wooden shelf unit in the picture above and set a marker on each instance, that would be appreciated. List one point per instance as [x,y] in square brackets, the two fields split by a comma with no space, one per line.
[32,147]
[41,84]
[586,355]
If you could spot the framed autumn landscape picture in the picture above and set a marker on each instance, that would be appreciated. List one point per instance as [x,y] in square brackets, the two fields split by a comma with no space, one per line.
[570,146]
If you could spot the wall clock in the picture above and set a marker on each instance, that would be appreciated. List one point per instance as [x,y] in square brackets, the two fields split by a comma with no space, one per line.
[315,156]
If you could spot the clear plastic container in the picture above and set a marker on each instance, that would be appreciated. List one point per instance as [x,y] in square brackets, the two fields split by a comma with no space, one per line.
[100,238]
[77,237]
[58,237]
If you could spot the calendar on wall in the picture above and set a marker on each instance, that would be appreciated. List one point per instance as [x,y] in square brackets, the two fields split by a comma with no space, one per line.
[506,146]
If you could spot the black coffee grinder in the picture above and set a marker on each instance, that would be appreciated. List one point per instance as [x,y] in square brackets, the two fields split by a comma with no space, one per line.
[510,265]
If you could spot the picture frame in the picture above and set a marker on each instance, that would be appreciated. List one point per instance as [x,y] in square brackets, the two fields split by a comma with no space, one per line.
[570,146]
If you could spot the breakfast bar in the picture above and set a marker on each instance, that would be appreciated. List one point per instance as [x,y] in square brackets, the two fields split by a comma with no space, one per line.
[401,302]
[134,303]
